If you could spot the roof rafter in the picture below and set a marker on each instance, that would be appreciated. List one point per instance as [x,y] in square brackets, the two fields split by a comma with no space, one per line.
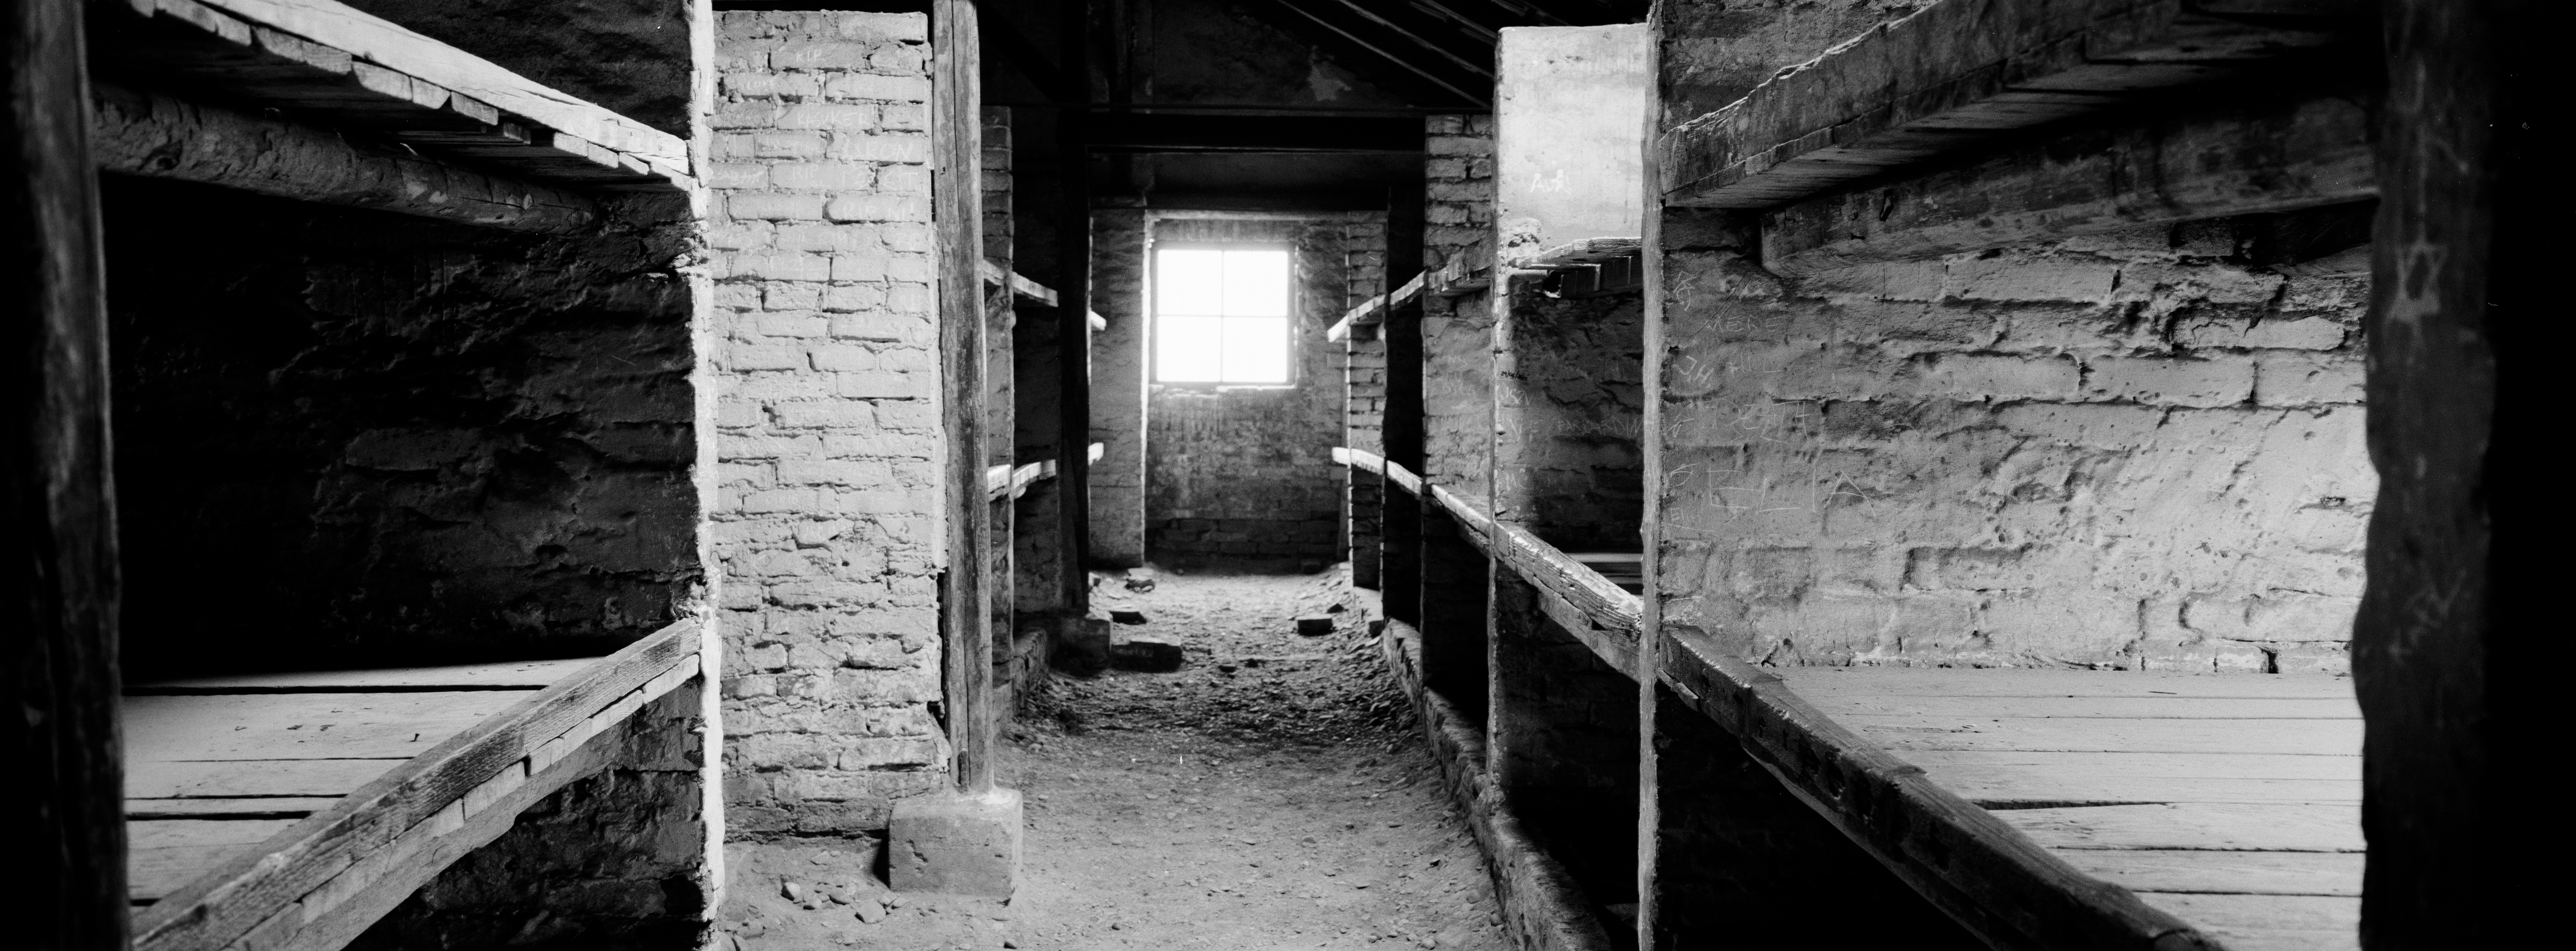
[1463,86]
[1413,30]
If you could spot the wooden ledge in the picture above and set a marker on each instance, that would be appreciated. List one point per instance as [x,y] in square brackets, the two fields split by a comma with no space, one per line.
[333,64]
[1372,311]
[1004,482]
[1962,73]
[1584,253]
[1466,273]
[321,881]
[1027,291]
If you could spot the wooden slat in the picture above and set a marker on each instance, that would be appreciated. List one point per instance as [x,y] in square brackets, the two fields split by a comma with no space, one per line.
[1960,73]
[302,725]
[162,855]
[2190,871]
[2228,161]
[2087,708]
[1465,273]
[222,905]
[511,675]
[238,778]
[1824,684]
[2286,827]
[965,595]
[2269,922]
[385,43]
[1587,251]
[2284,737]
[256,807]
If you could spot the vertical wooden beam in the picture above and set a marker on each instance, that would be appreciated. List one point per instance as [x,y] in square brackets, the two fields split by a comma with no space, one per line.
[956,160]
[65,821]
[2451,647]
[1073,308]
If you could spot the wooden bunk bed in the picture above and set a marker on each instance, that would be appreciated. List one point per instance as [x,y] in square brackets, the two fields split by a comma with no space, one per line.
[2041,808]
[293,810]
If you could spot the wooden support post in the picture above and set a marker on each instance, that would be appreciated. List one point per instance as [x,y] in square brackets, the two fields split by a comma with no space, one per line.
[2450,643]
[1073,310]
[958,214]
[1400,558]
[65,814]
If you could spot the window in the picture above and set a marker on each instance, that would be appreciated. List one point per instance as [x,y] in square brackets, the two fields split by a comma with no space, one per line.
[1221,315]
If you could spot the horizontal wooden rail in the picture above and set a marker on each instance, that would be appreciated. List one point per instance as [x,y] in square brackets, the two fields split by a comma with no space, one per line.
[1004,482]
[1027,291]
[1372,312]
[1604,616]
[321,882]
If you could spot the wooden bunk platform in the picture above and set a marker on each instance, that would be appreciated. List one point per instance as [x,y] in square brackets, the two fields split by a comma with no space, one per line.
[294,810]
[2147,810]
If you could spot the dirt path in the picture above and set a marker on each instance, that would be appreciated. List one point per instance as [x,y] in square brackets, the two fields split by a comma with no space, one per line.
[1273,793]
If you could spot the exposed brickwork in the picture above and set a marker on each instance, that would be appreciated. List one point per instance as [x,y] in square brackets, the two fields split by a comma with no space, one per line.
[1246,474]
[1364,391]
[1458,186]
[2118,451]
[403,440]
[1569,412]
[616,860]
[1118,382]
[829,418]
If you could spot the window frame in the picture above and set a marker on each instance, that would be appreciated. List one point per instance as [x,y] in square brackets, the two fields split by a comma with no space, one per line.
[1154,313]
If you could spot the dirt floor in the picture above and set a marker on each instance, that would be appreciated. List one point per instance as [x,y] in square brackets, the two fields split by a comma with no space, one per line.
[1272,793]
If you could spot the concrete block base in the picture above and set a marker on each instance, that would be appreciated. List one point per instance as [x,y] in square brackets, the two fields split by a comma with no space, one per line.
[954,844]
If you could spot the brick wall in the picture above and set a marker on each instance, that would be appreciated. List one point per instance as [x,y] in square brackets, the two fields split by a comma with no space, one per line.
[1457,405]
[1364,391]
[1458,186]
[829,418]
[2123,451]
[1246,475]
[1118,379]
[403,441]
[1569,412]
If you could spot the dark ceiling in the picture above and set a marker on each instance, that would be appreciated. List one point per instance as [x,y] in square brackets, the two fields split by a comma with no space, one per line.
[1437,53]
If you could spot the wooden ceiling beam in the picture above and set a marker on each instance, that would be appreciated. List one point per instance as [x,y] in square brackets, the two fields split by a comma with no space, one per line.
[1463,87]
[1413,30]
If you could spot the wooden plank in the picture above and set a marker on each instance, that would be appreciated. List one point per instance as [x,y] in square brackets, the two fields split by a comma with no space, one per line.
[2287,737]
[214,909]
[2227,873]
[2282,827]
[2229,161]
[2112,767]
[2024,785]
[511,675]
[165,854]
[1581,253]
[1608,605]
[2264,922]
[1961,73]
[1823,683]
[303,725]
[385,43]
[2089,708]
[61,590]
[257,807]
[240,778]
[957,219]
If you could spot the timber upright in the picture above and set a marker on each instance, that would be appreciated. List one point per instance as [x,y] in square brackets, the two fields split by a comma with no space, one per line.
[964,840]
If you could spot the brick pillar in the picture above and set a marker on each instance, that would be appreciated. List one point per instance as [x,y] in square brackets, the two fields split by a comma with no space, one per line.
[1118,375]
[1364,395]
[828,419]
[1457,406]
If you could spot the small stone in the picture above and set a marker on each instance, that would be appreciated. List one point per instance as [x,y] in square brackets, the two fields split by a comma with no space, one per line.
[1226,668]
[871,912]
[1315,625]
[791,891]
[1127,615]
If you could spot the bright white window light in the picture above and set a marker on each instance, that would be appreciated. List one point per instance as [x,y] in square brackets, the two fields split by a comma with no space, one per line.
[1221,315]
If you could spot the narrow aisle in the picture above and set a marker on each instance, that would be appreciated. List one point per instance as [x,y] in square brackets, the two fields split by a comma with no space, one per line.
[1273,793]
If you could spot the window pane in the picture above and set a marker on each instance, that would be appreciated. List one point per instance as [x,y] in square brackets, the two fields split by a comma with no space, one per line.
[1189,282]
[1256,283]
[1256,350]
[1189,349]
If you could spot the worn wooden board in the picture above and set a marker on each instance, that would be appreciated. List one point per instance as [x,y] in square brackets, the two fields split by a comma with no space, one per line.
[2298,827]
[1822,684]
[2265,922]
[242,778]
[162,855]
[2103,767]
[2162,735]
[303,725]
[250,807]
[2100,708]
[2336,874]
[512,675]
